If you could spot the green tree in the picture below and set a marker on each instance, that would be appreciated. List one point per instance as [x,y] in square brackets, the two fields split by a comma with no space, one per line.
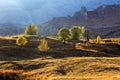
[31,29]
[43,46]
[21,41]
[64,34]
[76,32]
[99,40]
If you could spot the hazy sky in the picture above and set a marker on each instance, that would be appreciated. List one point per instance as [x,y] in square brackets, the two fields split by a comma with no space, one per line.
[38,11]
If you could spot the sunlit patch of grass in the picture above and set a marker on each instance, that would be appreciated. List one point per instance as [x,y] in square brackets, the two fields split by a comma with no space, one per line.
[112,40]
[117,77]
[6,38]
[51,37]
[79,46]
[39,77]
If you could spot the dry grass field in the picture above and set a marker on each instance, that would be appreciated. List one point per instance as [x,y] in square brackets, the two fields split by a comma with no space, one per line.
[71,61]
[73,68]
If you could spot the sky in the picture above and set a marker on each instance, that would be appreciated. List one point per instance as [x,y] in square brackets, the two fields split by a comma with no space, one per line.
[39,11]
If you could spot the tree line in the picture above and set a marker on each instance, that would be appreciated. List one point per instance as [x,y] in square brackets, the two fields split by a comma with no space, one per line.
[64,34]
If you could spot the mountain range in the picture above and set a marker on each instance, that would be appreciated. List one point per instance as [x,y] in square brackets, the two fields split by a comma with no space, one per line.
[51,15]
[105,16]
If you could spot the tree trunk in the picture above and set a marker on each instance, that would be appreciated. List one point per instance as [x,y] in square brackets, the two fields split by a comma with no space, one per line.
[44,55]
[63,41]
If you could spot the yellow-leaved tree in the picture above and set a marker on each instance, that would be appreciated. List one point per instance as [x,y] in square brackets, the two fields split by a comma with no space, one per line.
[43,46]
[31,29]
[21,41]
[99,40]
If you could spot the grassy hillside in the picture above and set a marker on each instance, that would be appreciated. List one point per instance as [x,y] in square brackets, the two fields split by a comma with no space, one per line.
[8,48]
[71,61]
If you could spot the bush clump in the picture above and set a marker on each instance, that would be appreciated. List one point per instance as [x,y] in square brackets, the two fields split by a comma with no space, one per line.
[21,41]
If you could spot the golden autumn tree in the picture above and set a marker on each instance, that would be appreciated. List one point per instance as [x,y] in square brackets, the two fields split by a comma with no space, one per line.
[43,46]
[31,29]
[21,41]
[98,40]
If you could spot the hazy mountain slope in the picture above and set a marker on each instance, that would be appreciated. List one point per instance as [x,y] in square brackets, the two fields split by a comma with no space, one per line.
[106,32]
[47,9]
[9,29]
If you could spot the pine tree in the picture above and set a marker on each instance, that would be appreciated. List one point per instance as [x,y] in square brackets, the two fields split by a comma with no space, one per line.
[43,46]
[21,41]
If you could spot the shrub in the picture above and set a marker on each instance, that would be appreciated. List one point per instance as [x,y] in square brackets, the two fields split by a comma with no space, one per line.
[87,44]
[64,34]
[43,46]
[99,40]
[21,41]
